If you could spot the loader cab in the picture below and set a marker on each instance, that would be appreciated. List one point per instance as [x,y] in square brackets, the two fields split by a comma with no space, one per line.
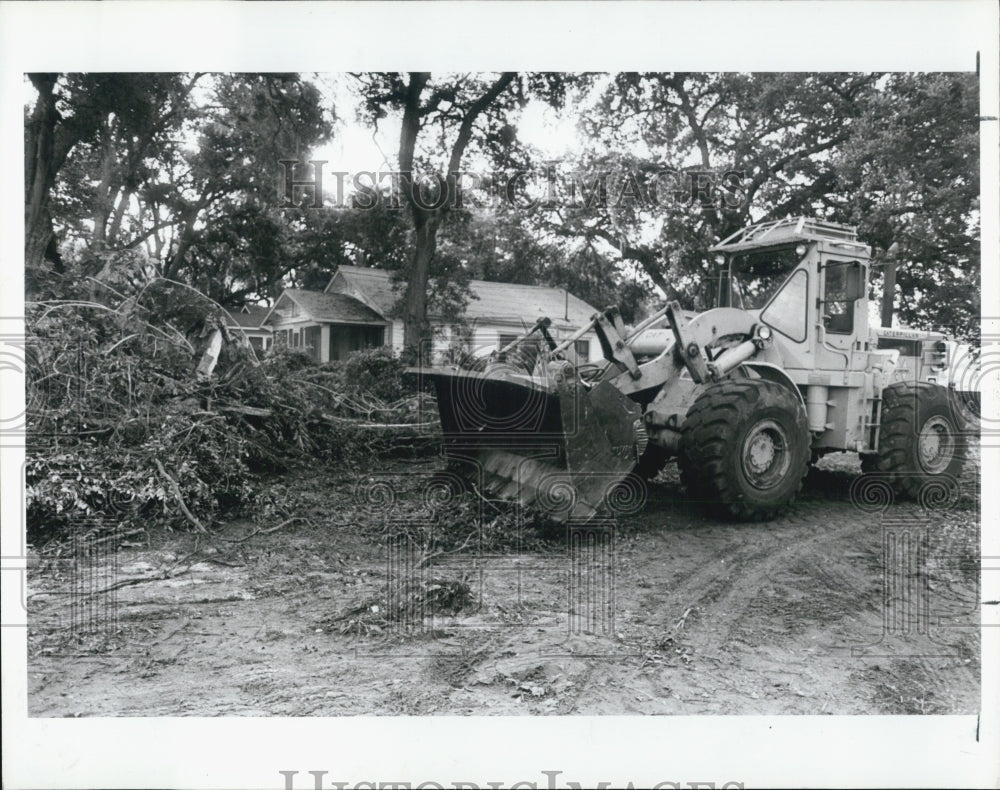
[807,283]
[748,280]
[777,282]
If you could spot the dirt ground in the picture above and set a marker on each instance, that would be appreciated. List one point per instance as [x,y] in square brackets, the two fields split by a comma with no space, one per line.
[836,608]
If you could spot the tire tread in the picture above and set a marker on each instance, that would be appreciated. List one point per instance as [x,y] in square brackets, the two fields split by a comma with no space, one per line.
[709,433]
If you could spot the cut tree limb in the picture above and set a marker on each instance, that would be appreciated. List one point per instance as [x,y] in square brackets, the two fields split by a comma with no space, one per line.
[180,499]
[249,411]
[268,531]
[211,356]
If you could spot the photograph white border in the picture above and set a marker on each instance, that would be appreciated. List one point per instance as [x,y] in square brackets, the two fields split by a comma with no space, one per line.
[864,751]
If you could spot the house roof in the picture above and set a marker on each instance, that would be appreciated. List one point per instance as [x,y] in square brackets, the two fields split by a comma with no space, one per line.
[250,317]
[334,307]
[496,301]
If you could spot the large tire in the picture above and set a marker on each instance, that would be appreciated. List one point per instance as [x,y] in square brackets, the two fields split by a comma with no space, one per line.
[919,441]
[691,476]
[745,448]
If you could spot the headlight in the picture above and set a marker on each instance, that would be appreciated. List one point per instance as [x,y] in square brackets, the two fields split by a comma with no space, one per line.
[764,333]
[800,250]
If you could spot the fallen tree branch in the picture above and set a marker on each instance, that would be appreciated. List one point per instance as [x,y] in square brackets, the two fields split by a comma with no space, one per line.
[491,502]
[156,577]
[682,621]
[180,499]
[359,424]
[339,396]
[426,558]
[249,411]
[284,523]
[168,573]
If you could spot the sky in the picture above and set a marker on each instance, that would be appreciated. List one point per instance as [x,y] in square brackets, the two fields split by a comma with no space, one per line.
[354,148]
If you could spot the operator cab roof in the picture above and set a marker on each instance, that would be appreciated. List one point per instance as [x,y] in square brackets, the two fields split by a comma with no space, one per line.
[789,231]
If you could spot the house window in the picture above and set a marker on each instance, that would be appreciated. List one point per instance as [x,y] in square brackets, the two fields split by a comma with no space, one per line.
[582,349]
[374,336]
[257,343]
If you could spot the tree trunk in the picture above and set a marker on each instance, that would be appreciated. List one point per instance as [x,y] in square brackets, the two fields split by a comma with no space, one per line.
[125,196]
[888,293]
[416,329]
[40,169]
[185,239]
[415,296]
[107,190]
[47,142]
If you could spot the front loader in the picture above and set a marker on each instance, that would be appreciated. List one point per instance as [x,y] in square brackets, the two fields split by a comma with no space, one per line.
[744,395]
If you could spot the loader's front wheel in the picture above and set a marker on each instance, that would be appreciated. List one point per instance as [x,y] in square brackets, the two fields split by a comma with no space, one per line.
[745,448]
[918,441]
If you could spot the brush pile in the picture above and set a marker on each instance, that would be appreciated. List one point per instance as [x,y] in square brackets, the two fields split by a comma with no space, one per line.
[125,428]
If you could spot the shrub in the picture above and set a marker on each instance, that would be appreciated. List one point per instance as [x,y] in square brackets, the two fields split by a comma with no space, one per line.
[378,373]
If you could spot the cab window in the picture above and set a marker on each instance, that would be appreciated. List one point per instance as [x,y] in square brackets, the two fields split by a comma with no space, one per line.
[786,312]
[842,285]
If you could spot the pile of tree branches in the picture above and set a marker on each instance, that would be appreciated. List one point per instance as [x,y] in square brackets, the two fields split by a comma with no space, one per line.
[126,429]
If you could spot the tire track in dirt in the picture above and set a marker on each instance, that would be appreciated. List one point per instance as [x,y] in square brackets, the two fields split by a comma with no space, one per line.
[718,567]
[733,613]
[722,602]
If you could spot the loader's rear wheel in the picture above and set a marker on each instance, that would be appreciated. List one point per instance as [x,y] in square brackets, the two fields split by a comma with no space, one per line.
[918,441]
[745,448]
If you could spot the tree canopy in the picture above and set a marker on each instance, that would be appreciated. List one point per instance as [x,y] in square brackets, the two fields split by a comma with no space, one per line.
[166,175]
[178,176]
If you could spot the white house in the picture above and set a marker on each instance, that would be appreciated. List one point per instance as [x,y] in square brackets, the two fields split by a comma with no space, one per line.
[328,326]
[247,325]
[354,312]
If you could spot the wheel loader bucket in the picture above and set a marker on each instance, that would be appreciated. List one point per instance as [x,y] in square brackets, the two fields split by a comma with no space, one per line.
[549,442]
